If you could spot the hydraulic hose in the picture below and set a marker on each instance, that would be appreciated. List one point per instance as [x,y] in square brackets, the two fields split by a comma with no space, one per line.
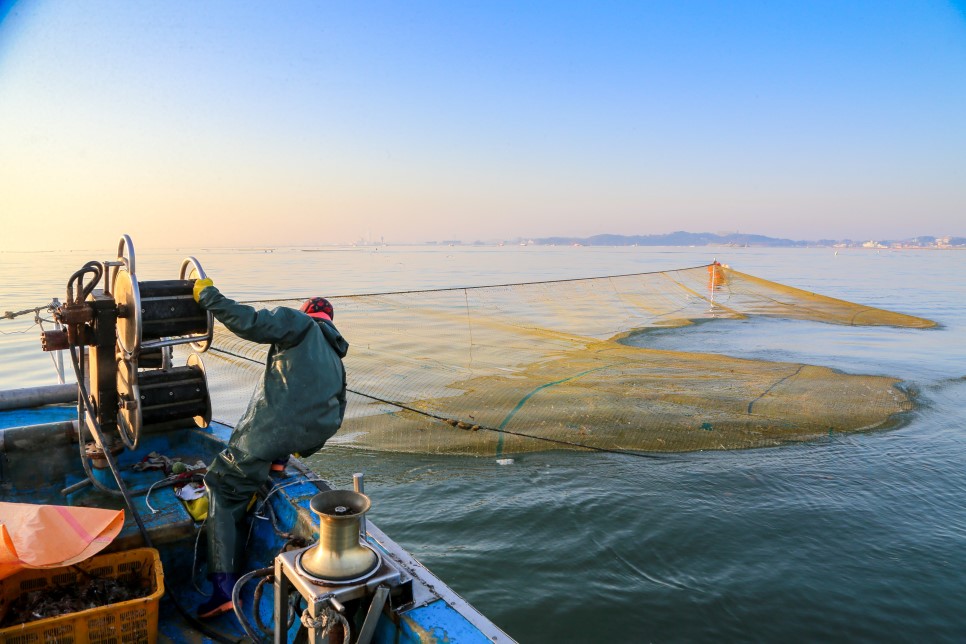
[96,430]
[236,602]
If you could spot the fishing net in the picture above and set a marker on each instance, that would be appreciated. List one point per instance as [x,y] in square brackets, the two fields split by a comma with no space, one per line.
[514,368]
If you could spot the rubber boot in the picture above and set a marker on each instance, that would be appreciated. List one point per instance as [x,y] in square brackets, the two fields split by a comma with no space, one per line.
[220,602]
[278,466]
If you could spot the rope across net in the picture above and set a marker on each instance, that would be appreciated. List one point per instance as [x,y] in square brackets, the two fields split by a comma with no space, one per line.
[516,368]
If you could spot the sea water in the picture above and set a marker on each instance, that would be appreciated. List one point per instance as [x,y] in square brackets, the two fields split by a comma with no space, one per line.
[852,537]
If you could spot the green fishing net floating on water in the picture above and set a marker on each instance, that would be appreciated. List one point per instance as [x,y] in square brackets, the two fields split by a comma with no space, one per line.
[516,368]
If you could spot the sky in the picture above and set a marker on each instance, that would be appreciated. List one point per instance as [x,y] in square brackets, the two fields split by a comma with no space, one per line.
[227,123]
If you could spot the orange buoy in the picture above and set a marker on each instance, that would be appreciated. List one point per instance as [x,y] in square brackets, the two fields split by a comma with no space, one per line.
[716,275]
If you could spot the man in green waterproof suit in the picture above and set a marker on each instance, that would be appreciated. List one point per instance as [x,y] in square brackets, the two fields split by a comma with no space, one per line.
[298,405]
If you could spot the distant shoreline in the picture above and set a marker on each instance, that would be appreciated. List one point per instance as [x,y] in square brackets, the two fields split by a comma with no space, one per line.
[729,240]
[671,240]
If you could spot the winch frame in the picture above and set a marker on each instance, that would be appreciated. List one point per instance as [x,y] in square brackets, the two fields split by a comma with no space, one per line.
[386,581]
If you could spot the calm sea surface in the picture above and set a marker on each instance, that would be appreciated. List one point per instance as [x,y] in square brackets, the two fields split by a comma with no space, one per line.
[852,538]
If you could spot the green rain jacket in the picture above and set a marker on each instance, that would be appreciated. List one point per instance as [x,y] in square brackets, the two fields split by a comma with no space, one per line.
[300,402]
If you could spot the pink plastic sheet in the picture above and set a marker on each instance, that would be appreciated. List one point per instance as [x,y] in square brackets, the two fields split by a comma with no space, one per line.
[50,536]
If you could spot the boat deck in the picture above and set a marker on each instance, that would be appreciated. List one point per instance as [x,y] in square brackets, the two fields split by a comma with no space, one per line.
[39,459]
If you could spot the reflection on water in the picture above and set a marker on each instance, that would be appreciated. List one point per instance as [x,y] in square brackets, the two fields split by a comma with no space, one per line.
[859,537]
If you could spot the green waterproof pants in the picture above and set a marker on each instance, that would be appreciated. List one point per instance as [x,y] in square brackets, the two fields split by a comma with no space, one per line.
[232,480]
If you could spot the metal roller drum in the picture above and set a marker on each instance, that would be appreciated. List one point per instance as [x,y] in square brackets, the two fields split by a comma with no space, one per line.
[158,313]
[161,396]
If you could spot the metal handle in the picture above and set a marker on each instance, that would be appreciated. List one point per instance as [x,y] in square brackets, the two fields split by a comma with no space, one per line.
[358,484]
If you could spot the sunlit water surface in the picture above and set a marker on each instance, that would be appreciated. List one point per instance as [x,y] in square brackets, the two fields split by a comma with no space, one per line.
[854,537]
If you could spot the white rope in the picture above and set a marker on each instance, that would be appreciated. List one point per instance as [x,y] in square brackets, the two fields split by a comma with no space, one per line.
[147,496]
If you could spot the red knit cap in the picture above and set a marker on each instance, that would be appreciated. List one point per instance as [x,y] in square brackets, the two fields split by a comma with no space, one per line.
[318,307]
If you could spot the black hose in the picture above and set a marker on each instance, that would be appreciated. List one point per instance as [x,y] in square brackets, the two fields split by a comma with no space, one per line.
[257,599]
[96,430]
[77,363]
[78,276]
[236,602]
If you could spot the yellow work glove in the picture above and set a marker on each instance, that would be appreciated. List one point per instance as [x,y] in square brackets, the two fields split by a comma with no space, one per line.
[201,285]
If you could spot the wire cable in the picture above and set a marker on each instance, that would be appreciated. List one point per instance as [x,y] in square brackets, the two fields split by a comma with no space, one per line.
[456,422]
[485,286]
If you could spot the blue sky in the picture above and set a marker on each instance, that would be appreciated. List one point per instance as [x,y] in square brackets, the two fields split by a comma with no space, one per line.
[327,122]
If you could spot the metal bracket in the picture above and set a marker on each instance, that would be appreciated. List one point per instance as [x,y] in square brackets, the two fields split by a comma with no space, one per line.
[372,616]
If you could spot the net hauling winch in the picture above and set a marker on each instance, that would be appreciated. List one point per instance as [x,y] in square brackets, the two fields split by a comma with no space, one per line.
[128,328]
